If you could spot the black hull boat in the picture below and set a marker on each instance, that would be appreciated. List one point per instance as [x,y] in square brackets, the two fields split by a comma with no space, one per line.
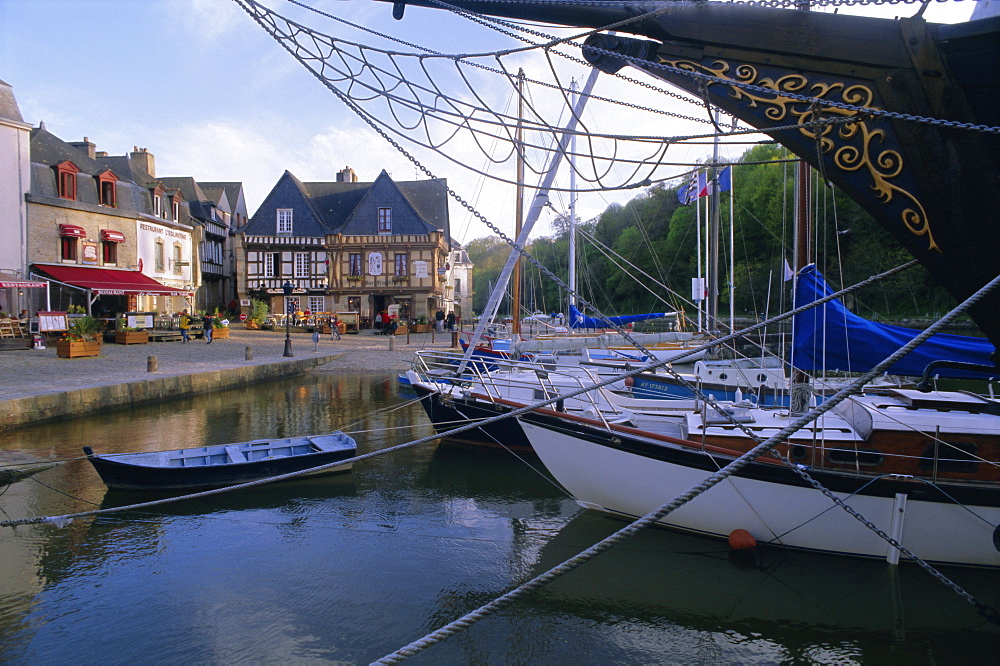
[221,465]
[447,413]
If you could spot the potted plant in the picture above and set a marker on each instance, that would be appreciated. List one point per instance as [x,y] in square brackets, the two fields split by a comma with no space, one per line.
[421,325]
[82,339]
[220,328]
[128,335]
[258,314]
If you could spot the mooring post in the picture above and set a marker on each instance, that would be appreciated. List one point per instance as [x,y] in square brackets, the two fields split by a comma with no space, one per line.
[248,356]
[151,364]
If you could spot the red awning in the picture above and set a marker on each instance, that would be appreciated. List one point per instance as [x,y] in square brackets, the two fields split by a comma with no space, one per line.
[107,282]
[72,230]
[110,236]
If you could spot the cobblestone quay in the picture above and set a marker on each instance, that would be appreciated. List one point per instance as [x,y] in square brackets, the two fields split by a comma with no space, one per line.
[36,385]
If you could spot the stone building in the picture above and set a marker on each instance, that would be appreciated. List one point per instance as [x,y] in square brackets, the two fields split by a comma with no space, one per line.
[105,231]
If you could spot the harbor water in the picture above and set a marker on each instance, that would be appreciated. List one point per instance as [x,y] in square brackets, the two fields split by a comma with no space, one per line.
[350,567]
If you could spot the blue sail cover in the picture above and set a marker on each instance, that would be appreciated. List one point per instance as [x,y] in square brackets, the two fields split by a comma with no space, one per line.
[830,337]
[578,320]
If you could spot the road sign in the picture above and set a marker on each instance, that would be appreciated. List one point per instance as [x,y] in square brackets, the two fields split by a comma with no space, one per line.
[243,316]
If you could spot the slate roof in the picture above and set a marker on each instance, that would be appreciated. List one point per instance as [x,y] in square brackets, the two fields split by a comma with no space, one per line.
[232,190]
[198,201]
[8,104]
[322,208]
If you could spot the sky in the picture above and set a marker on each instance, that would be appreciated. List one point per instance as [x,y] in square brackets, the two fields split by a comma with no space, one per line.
[206,90]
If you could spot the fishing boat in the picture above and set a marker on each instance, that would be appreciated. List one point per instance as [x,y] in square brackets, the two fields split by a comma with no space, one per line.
[223,464]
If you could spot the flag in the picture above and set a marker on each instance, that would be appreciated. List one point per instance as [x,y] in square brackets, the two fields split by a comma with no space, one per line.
[702,190]
[726,179]
[683,194]
[789,273]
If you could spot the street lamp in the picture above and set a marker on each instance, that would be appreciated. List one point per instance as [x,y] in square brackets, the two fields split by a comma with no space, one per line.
[287,288]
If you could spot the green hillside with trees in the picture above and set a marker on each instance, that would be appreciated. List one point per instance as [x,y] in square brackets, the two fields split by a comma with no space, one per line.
[641,257]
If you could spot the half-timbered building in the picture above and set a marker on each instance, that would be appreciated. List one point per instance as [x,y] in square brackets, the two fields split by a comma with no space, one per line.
[349,246]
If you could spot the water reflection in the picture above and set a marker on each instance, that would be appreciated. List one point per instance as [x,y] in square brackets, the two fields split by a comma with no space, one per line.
[350,567]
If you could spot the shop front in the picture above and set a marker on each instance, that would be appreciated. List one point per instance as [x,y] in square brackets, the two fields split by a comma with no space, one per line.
[109,292]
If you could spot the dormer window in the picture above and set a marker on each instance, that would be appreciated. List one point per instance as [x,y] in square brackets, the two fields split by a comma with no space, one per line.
[107,188]
[284,220]
[66,180]
[385,220]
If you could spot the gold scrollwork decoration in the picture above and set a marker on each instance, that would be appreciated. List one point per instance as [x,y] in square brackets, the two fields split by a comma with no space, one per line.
[859,148]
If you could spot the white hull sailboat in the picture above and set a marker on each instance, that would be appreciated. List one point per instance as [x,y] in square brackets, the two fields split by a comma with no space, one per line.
[922,468]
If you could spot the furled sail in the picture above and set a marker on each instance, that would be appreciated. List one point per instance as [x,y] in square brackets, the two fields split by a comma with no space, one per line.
[832,338]
[579,320]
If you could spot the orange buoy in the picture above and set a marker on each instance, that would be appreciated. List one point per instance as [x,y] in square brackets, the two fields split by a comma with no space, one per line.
[741,540]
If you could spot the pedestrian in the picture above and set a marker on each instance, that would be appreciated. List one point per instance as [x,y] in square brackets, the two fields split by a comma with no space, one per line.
[439,320]
[450,322]
[206,323]
[185,326]
[334,328]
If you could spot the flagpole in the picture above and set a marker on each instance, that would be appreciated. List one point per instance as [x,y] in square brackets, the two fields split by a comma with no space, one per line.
[732,250]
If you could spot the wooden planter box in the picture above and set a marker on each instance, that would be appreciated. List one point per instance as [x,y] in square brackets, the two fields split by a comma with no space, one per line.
[253,325]
[421,328]
[71,349]
[131,337]
[220,333]
[401,329]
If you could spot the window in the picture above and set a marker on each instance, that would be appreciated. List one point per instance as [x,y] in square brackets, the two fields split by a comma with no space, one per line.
[400,268]
[317,304]
[158,255]
[157,205]
[269,265]
[69,248]
[284,220]
[107,189]
[301,264]
[385,220]
[109,253]
[458,286]
[178,264]
[66,180]
[355,265]
[176,209]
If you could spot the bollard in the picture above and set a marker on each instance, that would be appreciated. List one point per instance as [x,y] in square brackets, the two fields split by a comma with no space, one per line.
[454,339]
[248,356]
[392,342]
[151,364]
[408,335]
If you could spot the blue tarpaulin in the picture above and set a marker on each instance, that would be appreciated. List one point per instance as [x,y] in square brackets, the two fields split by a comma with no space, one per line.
[830,337]
[578,320]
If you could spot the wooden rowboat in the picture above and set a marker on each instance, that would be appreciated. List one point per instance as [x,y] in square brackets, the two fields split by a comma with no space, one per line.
[223,464]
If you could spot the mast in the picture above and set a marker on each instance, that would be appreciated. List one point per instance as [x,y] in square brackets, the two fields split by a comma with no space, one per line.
[572,204]
[515,305]
[712,273]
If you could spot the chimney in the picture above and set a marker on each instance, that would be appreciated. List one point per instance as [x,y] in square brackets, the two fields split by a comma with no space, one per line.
[144,159]
[85,147]
[347,175]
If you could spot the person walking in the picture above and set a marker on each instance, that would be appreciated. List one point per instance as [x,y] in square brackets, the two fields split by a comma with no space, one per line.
[450,322]
[439,320]
[206,323]
[185,326]
[334,328]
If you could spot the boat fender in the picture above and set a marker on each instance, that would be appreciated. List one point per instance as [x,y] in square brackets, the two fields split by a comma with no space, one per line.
[741,540]
[996,538]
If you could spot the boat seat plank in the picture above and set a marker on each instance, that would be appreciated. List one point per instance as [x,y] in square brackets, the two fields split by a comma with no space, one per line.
[327,442]
[235,455]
